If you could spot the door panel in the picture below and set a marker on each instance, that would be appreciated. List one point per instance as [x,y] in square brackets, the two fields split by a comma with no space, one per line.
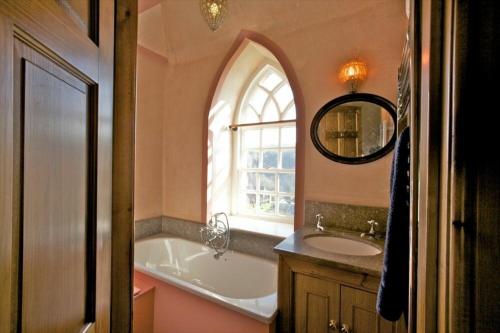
[81,12]
[359,314]
[56,88]
[316,304]
[55,219]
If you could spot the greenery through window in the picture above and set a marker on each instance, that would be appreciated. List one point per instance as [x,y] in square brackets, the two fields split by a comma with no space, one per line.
[266,154]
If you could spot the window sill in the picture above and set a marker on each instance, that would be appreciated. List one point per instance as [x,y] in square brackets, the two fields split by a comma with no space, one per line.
[261,226]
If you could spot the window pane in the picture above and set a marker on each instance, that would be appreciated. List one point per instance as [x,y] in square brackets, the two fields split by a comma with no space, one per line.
[288,159]
[286,206]
[270,159]
[249,180]
[252,159]
[290,114]
[288,136]
[267,203]
[248,116]
[267,182]
[251,139]
[271,112]
[257,99]
[287,182]
[284,96]
[249,201]
[270,80]
[270,137]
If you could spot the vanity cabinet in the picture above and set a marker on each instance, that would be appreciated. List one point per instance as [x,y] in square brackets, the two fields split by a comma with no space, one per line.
[313,298]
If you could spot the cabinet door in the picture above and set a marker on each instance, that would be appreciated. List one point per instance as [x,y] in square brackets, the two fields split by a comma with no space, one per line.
[359,315]
[317,303]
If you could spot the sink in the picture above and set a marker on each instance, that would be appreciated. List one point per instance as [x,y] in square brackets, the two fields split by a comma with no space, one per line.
[341,245]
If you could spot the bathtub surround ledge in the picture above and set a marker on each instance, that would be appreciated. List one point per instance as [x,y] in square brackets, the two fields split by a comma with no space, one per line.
[148,227]
[248,242]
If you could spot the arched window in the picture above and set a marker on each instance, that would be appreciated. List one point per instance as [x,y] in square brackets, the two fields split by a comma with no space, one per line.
[264,177]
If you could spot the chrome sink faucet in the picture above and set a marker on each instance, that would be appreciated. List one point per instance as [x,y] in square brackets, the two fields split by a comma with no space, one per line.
[319,227]
[370,234]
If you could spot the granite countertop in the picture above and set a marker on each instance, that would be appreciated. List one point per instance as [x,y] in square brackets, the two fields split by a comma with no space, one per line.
[295,246]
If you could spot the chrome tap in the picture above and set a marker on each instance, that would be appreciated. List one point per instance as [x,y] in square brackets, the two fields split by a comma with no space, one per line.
[370,234]
[216,234]
[319,227]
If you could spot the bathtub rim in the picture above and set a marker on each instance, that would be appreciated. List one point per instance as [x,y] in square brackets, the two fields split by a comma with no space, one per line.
[204,293]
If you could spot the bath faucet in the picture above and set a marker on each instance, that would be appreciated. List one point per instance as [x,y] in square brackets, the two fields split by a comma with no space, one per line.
[216,234]
[319,227]
[370,234]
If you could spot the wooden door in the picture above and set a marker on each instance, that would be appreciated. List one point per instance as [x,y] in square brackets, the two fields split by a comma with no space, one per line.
[342,131]
[56,101]
[358,313]
[317,303]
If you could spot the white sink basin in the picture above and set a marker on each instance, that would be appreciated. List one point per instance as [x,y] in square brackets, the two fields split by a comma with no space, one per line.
[340,245]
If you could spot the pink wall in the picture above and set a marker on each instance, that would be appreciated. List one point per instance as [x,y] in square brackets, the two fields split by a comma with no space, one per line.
[178,311]
[316,40]
[151,76]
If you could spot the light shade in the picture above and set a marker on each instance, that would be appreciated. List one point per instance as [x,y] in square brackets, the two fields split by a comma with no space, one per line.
[353,73]
[214,12]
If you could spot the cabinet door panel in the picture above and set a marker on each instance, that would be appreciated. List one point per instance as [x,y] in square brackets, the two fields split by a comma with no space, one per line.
[359,313]
[316,304]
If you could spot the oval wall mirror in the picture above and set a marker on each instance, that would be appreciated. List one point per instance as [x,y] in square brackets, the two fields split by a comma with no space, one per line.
[355,128]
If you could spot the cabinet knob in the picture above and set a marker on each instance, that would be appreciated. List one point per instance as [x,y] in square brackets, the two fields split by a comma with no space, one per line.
[333,325]
[345,329]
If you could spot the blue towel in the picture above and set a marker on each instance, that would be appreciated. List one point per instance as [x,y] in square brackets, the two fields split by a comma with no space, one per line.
[392,299]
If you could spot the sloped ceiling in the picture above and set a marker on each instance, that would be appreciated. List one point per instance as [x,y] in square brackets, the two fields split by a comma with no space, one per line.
[176,30]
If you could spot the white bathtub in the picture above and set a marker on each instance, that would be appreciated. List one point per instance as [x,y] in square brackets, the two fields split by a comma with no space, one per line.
[241,282]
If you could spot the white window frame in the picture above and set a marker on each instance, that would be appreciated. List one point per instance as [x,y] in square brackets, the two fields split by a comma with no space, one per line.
[238,168]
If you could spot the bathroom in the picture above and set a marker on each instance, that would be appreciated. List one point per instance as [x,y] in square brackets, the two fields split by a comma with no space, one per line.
[249,166]
[191,82]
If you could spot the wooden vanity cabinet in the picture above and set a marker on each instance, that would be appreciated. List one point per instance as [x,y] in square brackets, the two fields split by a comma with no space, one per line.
[318,299]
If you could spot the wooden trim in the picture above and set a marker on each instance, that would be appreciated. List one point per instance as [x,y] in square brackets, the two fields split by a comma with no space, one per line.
[91,256]
[35,14]
[284,322]
[429,173]
[338,275]
[414,123]
[104,165]
[123,165]
[443,286]
[7,202]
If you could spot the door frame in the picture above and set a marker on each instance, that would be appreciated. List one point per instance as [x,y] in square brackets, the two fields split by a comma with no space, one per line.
[122,277]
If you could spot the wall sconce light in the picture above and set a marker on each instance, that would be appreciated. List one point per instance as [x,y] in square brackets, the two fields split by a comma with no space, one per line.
[353,73]
[214,12]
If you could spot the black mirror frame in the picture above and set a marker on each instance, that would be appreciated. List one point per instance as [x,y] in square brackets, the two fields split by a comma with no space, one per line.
[354,97]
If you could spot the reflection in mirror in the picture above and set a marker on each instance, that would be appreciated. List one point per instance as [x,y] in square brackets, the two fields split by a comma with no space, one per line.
[355,128]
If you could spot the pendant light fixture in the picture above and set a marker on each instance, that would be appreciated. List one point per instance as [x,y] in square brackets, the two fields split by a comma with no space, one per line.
[214,12]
